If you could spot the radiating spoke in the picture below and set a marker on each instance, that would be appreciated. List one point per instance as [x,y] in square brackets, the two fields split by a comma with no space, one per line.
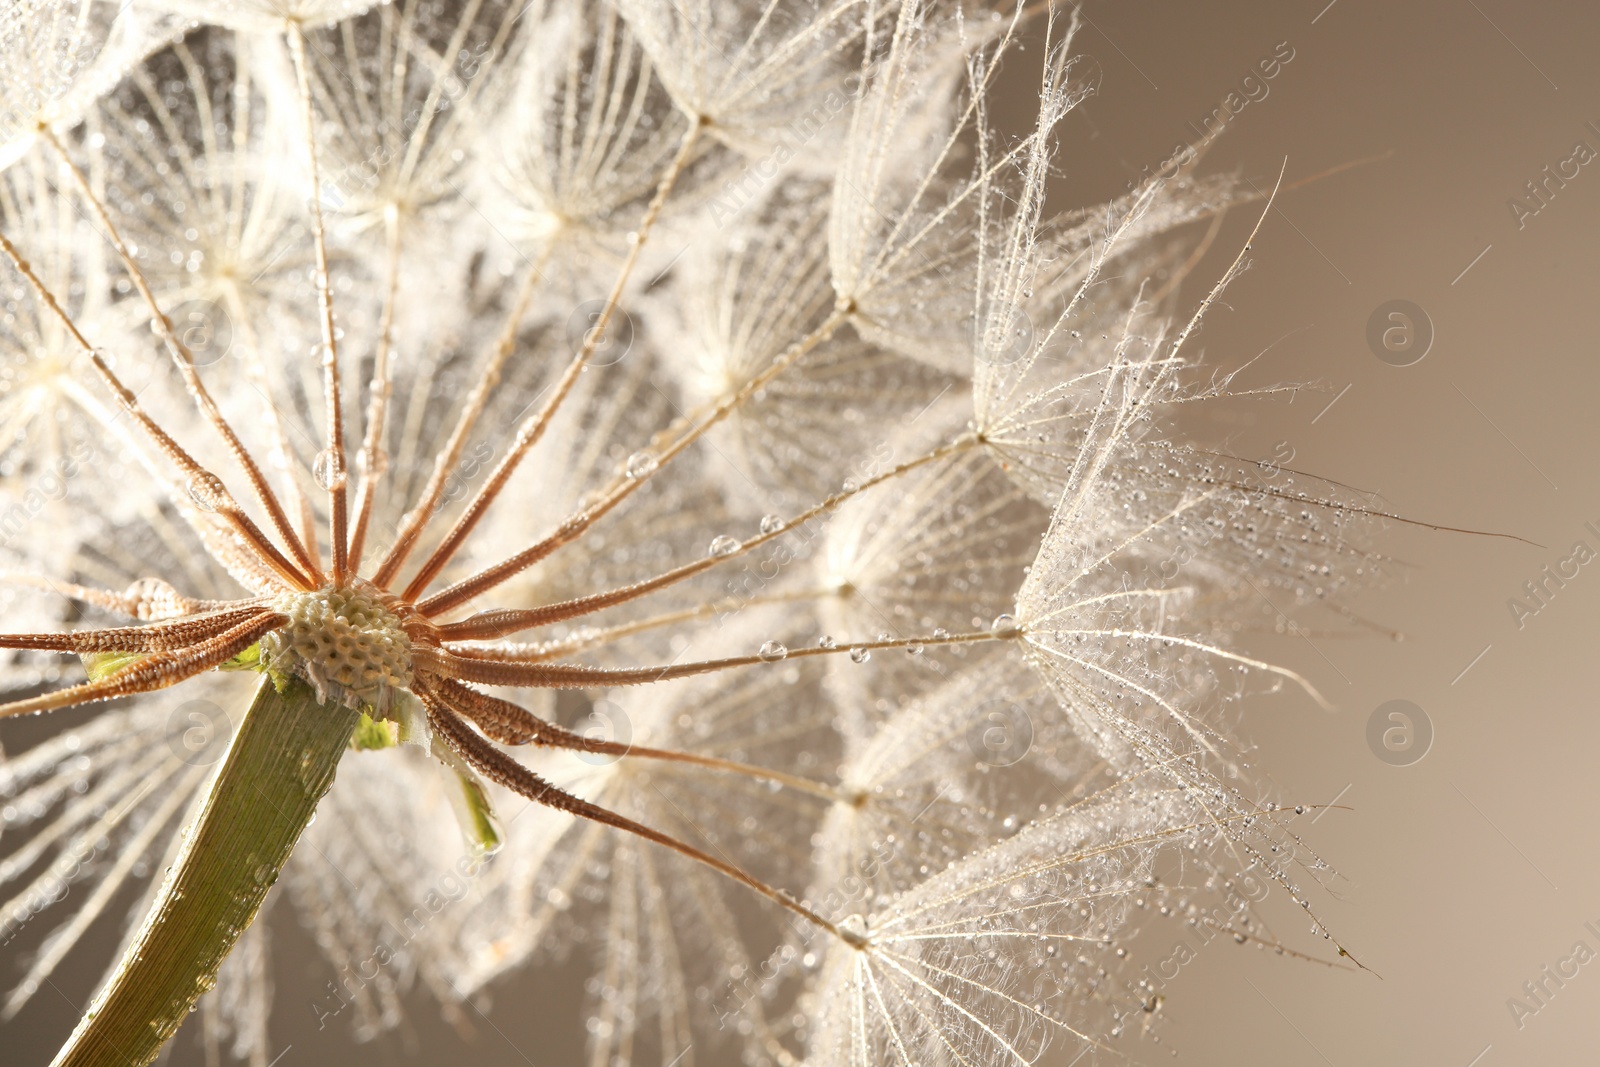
[680,438]
[161,637]
[502,769]
[483,667]
[495,624]
[374,459]
[207,488]
[511,724]
[529,433]
[185,362]
[329,466]
[157,671]
[444,465]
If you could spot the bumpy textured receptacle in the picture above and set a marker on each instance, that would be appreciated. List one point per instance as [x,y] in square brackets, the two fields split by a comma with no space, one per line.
[349,643]
[279,764]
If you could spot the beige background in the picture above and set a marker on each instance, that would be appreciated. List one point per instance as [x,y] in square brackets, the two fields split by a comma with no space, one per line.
[1469,871]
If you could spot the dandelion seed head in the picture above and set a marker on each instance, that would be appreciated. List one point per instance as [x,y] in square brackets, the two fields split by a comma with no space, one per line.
[851,381]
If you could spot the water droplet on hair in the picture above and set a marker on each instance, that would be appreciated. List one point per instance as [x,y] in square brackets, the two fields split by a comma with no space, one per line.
[772,651]
[641,464]
[860,655]
[1003,625]
[723,545]
[327,470]
[205,490]
[827,642]
[771,524]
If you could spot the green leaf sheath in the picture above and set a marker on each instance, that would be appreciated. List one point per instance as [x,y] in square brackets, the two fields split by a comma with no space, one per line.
[279,763]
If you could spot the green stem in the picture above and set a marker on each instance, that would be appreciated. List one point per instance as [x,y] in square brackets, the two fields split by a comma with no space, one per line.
[279,764]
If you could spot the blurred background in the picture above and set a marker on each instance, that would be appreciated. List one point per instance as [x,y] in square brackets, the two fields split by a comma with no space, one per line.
[1462,827]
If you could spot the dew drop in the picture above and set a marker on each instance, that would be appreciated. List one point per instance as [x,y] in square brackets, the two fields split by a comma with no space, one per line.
[327,470]
[860,655]
[827,642]
[941,634]
[723,545]
[641,464]
[772,651]
[1003,625]
[205,490]
[771,524]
